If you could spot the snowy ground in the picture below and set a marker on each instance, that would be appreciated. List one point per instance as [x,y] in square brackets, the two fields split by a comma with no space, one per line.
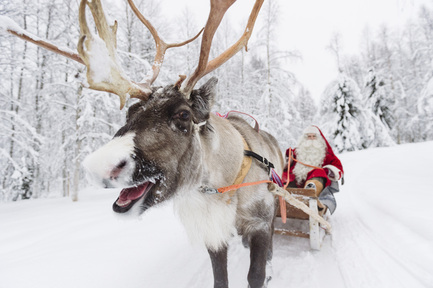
[382,237]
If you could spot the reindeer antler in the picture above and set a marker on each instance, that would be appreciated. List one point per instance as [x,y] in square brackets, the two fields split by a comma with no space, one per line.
[114,79]
[104,72]
[217,11]
[98,53]
[161,46]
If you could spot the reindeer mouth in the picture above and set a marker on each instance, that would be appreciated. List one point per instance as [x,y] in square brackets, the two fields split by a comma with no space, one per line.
[129,196]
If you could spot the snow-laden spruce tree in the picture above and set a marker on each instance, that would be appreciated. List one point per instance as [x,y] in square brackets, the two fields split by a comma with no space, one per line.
[277,87]
[377,99]
[340,116]
[376,134]
[425,110]
[306,107]
[378,108]
[256,82]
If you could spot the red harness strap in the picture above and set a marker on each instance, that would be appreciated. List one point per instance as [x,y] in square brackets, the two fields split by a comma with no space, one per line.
[256,125]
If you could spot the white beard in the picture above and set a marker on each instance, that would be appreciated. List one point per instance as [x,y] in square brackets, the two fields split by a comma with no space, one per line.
[311,152]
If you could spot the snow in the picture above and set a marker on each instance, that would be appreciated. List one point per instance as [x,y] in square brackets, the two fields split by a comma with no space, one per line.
[382,237]
[7,23]
[425,102]
[99,60]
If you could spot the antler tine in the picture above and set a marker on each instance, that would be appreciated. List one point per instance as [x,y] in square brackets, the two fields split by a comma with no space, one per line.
[161,45]
[13,29]
[242,42]
[104,73]
[217,10]
[204,67]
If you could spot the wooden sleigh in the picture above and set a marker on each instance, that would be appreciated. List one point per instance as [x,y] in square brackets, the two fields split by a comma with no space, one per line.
[313,211]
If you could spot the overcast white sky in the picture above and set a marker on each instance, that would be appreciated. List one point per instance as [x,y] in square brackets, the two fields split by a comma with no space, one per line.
[307,26]
[310,24]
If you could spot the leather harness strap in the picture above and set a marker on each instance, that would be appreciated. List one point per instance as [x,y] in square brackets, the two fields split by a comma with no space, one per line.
[245,167]
[261,159]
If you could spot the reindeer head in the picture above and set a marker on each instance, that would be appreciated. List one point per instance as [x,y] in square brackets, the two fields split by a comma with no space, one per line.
[157,151]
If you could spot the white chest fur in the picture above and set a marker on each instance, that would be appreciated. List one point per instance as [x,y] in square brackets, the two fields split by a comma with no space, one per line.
[207,218]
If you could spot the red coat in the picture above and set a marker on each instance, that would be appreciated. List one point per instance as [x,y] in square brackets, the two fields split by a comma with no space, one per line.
[331,162]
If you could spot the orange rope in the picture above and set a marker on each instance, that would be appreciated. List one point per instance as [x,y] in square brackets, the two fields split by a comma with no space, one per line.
[294,159]
[235,187]
[283,208]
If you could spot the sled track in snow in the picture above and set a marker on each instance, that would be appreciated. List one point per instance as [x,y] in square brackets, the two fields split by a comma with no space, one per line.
[418,273]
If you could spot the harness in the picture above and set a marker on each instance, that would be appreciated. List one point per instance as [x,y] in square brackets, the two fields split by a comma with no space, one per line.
[245,167]
[261,159]
[278,190]
[294,159]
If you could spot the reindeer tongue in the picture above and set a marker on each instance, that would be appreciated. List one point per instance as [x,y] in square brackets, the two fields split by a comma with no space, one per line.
[127,195]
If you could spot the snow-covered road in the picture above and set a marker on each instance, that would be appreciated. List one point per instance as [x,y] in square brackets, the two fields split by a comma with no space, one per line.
[382,237]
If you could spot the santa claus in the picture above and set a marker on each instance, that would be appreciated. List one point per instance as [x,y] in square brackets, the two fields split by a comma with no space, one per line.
[314,164]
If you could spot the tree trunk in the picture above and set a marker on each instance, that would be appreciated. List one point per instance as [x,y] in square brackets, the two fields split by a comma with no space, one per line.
[65,173]
[15,107]
[76,184]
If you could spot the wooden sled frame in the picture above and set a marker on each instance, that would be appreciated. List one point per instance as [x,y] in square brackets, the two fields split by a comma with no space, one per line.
[316,232]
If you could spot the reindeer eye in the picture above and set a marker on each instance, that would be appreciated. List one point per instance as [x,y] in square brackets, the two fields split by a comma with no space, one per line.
[182,115]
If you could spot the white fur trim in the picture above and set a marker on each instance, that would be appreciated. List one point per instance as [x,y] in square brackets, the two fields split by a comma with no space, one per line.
[336,171]
[311,130]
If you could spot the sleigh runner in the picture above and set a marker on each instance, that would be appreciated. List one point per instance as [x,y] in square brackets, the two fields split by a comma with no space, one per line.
[303,205]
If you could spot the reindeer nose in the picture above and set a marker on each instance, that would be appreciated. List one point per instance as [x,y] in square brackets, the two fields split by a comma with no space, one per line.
[117,170]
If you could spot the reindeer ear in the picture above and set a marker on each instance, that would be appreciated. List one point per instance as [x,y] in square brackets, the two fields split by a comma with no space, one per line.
[202,100]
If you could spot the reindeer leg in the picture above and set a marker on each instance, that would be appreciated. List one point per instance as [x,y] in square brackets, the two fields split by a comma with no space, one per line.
[219,267]
[260,245]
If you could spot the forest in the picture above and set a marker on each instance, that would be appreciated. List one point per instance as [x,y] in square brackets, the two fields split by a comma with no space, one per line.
[383,96]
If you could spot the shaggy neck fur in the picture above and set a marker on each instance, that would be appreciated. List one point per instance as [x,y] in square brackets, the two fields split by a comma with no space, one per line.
[310,152]
[207,218]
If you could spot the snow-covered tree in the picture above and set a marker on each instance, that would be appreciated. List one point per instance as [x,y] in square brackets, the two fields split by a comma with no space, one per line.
[46,127]
[275,106]
[306,107]
[340,115]
[377,99]
[425,110]
[49,122]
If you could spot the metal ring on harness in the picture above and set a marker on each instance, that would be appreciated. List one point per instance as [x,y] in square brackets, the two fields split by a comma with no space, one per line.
[261,159]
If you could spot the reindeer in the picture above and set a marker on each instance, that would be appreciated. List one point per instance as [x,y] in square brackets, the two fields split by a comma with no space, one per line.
[172,146]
